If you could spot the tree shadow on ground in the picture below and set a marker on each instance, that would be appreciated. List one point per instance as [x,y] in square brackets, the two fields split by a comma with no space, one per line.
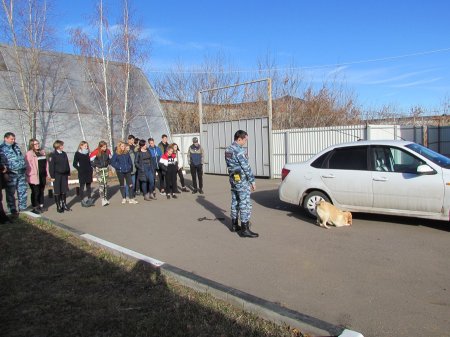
[217,212]
[54,285]
[187,183]
[113,189]
[73,197]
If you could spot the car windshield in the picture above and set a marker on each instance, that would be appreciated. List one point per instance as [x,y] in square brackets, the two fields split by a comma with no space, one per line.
[435,157]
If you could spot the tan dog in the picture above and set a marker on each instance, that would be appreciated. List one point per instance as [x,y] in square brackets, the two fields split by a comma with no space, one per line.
[328,213]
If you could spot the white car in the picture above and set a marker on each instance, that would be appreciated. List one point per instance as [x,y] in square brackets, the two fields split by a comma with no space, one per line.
[385,177]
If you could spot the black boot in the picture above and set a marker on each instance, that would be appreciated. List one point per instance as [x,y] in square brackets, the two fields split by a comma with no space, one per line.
[59,207]
[235,225]
[246,232]
[3,217]
[64,204]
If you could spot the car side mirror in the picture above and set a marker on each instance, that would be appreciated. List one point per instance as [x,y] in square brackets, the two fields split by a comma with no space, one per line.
[425,169]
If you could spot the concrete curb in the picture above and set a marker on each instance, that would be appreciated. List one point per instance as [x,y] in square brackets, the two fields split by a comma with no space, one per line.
[263,308]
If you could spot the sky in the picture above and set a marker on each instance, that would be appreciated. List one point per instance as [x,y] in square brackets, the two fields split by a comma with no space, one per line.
[393,52]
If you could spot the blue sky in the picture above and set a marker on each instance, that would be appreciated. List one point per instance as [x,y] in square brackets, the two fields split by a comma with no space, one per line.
[387,52]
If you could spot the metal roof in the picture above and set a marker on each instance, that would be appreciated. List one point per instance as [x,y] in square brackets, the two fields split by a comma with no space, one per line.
[69,101]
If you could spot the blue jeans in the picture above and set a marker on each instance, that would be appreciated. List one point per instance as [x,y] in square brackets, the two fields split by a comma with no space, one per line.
[148,185]
[133,180]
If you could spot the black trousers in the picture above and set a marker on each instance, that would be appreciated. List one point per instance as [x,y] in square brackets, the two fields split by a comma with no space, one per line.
[197,172]
[171,180]
[2,211]
[37,194]
[180,175]
[161,178]
[84,184]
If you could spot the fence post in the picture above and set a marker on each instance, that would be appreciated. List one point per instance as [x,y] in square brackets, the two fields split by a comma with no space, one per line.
[439,138]
[181,148]
[287,147]
[368,132]
[425,135]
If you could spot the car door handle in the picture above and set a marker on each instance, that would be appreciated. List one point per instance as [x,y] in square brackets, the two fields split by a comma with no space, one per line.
[331,175]
[380,179]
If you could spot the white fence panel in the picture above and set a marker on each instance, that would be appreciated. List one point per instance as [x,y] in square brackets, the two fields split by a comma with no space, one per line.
[297,145]
[184,141]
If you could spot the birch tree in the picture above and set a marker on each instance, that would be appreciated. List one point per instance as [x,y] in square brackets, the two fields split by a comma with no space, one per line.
[98,51]
[131,54]
[27,31]
[110,59]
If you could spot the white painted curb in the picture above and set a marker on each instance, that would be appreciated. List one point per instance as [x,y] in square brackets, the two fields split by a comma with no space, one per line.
[32,214]
[350,333]
[157,263]
[124,250]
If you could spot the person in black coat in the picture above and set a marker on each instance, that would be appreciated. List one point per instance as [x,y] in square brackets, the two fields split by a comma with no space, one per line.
[59,170]
[82,163]
[145,169]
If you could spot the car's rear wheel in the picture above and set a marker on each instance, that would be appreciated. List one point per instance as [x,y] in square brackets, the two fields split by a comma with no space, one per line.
[309,203]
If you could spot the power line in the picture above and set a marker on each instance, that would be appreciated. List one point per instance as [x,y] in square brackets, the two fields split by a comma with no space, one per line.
[388,58]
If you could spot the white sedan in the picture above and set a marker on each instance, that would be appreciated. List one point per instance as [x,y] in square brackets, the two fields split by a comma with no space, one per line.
[385,177]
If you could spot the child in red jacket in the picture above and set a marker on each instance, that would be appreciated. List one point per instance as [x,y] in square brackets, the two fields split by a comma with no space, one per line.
[169,167]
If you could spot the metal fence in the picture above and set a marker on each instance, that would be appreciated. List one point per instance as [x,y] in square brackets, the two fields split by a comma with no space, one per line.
[297,145]
[184,141]
[438,139]
[218,136]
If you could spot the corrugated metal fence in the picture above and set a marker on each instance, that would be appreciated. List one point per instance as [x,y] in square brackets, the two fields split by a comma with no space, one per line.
[438,139]
[218,135]
[296,145]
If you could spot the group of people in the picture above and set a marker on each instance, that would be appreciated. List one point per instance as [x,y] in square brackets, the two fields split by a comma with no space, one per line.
[34,169]
[137,164]
[162,162]
[17,170]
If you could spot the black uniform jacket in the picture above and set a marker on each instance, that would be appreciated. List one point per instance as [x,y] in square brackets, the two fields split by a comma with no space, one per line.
[58,163]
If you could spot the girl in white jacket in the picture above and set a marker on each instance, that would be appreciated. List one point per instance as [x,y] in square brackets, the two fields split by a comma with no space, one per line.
[180,171]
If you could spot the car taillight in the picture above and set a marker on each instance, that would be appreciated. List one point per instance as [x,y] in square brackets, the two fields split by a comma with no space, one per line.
[284,173]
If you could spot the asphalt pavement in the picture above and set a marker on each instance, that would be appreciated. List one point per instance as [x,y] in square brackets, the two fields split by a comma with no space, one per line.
[383,276]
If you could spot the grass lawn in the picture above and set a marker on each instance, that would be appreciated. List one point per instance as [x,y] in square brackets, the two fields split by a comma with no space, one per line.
[52,283]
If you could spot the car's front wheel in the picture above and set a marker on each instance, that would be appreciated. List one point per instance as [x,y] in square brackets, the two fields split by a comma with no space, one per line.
[309,203]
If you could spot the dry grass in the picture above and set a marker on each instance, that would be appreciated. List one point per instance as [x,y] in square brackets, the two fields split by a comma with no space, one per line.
[54,284]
